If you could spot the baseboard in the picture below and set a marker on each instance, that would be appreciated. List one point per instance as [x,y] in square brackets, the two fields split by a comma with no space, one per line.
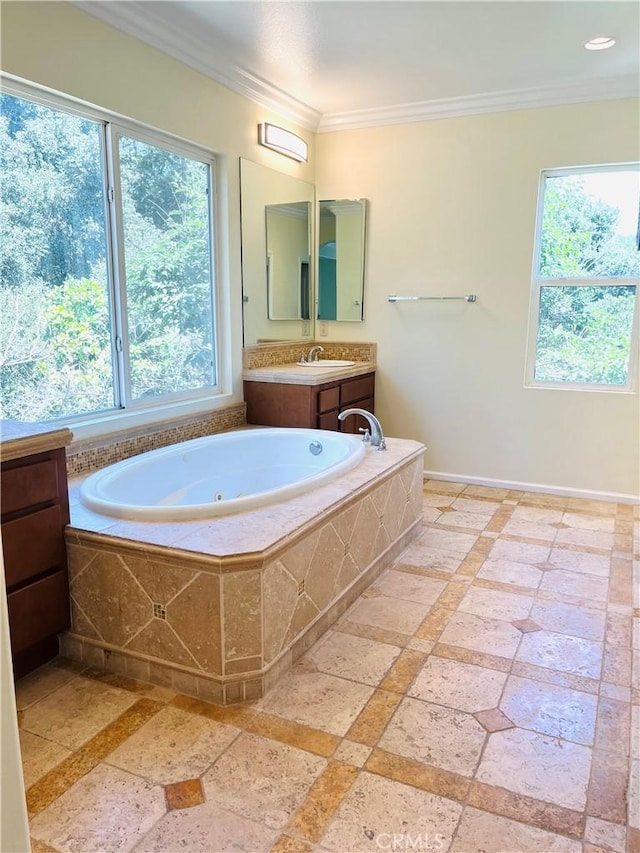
[586,494]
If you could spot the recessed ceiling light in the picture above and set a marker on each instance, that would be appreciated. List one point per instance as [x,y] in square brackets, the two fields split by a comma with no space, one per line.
[600,43]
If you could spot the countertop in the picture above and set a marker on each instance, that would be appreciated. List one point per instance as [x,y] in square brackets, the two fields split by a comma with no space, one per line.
[22,439]
[292,374]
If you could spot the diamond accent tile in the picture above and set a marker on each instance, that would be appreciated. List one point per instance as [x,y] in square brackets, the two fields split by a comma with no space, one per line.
[493,720]
[527,626]
[559,525]
[184,795]
[546,567]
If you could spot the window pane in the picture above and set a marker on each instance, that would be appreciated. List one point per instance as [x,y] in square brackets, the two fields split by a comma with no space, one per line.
[590,225]
[584,334]
[168,269]
[55,351]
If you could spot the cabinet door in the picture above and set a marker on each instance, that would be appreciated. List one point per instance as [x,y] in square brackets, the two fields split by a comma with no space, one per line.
[38,611]
[33,544]
[329,420]
[353,423]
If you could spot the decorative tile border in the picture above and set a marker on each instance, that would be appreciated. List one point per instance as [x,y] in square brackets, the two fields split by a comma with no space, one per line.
[272,354]
[83,456]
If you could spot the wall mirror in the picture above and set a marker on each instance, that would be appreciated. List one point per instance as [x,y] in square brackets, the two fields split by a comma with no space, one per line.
[288,256]
[341,248]
[277,260]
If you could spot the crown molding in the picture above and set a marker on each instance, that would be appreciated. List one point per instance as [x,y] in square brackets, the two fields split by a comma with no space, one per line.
[579,91]
[132,18]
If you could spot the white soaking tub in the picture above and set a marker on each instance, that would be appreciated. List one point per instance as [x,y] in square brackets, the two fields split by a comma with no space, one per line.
[221,474]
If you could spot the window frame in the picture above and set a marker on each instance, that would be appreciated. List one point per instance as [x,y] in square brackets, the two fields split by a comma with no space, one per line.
[538,282]
[169,405]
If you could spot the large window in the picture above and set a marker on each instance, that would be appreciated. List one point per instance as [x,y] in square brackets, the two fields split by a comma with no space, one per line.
[584,319]
[106,290]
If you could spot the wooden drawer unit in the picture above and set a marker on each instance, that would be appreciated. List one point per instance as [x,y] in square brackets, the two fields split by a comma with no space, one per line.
[35,512]
[314,406]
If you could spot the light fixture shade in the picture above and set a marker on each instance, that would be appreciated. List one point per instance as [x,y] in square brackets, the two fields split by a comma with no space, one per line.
[282,141]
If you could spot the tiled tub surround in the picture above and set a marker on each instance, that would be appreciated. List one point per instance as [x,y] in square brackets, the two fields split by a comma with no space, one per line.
[220,608]
[84,456]
[466,702]
[288,352]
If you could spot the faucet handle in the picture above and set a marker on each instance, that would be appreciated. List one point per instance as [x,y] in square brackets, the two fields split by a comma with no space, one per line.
[366,435]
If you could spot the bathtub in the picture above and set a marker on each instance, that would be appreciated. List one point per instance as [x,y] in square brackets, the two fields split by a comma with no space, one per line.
[221,474]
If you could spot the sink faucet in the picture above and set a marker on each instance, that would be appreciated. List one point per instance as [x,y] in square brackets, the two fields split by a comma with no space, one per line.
[312,355]
[377,438]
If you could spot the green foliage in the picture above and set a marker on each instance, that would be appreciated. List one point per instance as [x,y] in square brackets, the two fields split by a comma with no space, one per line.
[55,329]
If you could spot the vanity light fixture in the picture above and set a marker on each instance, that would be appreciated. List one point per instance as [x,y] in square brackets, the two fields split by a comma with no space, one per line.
[600,43]
[283,141]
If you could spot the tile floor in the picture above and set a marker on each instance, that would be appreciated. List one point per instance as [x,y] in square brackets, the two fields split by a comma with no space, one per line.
[482,695]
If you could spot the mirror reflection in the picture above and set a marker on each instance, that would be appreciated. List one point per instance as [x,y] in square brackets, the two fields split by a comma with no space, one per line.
[288,279]
[276,293]
[341,247]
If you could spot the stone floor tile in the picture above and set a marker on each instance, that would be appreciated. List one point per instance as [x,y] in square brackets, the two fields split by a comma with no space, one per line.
[445,487]
[481,634]
[574,583]
[466,520]
[318,700]
[204,829]
[261,779]
[537,515]
[435,735]
[377,809]
[436,500]
[529,530]
[410,587]
[538,766]
[491,492]
[383,612]
[508,571]
[458,685]
[184,795]
[39,756]
[76,711]
[587,623]
[35,686]
[550,710]
[354,658]
[107,810]
[585,538]
[581,561]
[493,604]
[351,752]
[582,521]
[561,652]
[475,506]
[480,831]
[519,552]
[603,833]
[172,746]
[447,540]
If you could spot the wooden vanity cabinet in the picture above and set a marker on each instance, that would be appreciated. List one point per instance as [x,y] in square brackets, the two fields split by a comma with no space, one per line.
[34,512]
[310,406]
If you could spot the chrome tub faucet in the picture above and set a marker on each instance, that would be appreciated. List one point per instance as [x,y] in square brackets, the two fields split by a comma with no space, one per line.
[376,437]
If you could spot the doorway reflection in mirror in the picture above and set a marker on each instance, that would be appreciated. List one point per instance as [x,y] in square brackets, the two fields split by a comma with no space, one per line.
[341,259]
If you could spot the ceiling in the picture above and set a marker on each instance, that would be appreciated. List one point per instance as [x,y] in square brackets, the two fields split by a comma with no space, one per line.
[334,64]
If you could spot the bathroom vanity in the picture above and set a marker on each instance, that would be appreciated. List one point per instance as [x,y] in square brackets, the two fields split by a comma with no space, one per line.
[291,396]
[35,512]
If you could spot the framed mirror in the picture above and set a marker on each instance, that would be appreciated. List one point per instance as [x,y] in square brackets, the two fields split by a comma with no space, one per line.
[341,252]
[277,266]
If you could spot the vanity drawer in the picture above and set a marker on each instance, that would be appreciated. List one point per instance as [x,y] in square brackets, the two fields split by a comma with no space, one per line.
[328,399]
[357,389]
[38,611]
[29,485]
[32,545]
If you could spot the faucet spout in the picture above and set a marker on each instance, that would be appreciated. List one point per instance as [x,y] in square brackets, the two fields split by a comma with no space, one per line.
[312,355]
[377,438]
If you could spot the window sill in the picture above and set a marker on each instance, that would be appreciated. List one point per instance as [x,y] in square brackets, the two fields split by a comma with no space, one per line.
[126,421]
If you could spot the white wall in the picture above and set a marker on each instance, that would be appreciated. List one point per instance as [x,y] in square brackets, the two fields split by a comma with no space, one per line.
[452,211]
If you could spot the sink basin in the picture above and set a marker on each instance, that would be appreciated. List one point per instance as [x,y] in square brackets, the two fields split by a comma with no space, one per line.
[326,362]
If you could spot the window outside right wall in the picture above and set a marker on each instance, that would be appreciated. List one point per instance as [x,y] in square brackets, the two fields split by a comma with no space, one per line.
[584,310]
